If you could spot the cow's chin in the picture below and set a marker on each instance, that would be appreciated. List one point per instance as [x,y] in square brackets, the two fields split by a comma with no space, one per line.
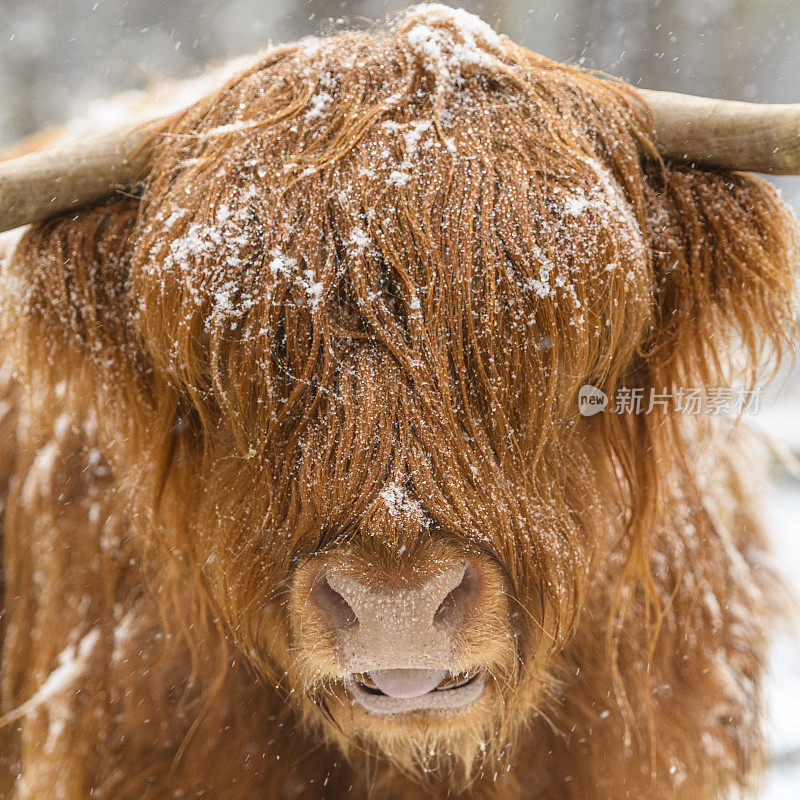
[447,734]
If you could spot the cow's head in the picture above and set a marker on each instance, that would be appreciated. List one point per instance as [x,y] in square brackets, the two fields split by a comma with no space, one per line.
[337,348]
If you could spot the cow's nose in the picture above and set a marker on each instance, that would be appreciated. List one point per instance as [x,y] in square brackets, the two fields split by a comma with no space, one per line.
[409,625]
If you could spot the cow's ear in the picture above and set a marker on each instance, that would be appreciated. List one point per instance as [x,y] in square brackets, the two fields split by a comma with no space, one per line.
[65,295]
[725,256]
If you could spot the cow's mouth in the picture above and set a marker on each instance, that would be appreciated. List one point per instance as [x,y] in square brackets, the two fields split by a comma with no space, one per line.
[398,691]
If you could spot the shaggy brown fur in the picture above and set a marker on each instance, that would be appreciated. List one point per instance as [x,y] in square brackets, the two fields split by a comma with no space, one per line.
[389,258]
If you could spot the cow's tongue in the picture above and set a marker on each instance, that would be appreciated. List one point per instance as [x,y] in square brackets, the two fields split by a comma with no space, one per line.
[401,683]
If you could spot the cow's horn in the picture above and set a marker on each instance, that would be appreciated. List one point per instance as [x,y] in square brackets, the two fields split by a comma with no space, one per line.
[72,174]
[714,133]
[755,137]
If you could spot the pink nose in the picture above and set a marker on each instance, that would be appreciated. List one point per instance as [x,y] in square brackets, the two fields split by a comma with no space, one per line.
[403,634]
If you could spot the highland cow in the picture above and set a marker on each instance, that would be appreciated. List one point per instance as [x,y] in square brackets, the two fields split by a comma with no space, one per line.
[298,498]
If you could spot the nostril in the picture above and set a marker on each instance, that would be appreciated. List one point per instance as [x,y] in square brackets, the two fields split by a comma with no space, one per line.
[336,608]
[454,608]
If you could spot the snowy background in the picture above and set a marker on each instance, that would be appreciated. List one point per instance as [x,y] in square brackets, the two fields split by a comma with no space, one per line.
[56,56]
